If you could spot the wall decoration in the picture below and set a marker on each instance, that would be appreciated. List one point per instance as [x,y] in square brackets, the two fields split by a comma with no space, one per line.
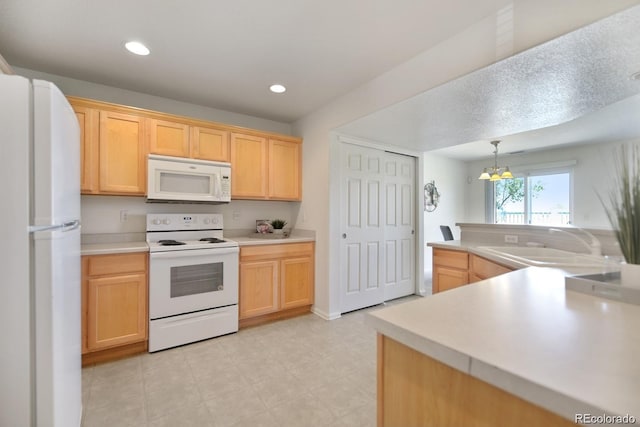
[431,196]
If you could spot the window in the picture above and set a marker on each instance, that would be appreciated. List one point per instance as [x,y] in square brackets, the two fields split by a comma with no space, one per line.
[540,198]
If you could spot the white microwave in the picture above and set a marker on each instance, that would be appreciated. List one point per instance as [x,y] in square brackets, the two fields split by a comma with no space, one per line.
[176,179]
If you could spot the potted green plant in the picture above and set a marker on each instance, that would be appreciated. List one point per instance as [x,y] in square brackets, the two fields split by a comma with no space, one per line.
[278,226]
[623,211]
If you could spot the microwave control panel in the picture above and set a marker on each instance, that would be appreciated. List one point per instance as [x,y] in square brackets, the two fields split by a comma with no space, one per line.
[225,182]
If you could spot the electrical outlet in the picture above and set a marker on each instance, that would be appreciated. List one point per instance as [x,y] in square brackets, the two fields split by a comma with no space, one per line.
[510,238]
[124,215]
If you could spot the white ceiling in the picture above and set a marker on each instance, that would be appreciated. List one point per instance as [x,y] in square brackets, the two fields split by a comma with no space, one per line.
[575,89]
[616,122]
[225,54]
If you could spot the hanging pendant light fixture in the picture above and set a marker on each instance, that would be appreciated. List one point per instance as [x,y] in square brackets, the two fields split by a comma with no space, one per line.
[496,173]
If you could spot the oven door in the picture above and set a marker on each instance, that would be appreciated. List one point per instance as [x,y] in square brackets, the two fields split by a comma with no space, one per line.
[191,280]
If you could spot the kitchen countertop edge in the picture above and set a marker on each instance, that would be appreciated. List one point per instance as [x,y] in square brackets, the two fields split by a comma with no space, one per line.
[250,241]
[401,325]
[456,245]
[113,248]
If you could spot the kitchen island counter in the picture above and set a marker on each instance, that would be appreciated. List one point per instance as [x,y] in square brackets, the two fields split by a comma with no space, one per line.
[563,351]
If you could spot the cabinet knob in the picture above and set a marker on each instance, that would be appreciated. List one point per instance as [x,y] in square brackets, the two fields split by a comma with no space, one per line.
[344,235]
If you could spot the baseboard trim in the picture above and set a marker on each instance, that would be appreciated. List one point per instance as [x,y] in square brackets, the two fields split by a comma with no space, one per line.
[114,353]
[323,314]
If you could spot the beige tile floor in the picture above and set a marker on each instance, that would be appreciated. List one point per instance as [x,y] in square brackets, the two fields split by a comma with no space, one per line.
[298,372]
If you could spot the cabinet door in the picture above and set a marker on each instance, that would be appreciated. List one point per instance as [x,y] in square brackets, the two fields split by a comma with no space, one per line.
[258,288]
[285,179]
[248,167]
[88,119]
[117,310]
[296,282]
[123,162]
[168,138]
[445,278]
[209,144]
[485,269]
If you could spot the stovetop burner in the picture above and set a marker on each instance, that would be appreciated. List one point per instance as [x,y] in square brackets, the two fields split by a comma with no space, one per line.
[212,240]
[170,243]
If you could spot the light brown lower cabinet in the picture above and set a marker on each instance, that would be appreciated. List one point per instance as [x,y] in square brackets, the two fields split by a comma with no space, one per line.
[417,390]
[455,268]
[276,281]
[450,269]
[482,268]
[114,299]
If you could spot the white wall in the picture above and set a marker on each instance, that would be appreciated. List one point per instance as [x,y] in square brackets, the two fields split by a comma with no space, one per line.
[534,23]
[469,50]
[592,175]
[450,177]
[84,89]
[101,214]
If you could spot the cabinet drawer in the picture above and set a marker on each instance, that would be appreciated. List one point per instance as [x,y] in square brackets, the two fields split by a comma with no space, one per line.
[448,258]
[98,265]
[484,269]
[263,252]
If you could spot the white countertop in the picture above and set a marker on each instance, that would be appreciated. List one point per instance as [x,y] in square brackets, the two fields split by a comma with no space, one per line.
[456,245]
[522,332]
[113,248]
[479,250]
[250,241]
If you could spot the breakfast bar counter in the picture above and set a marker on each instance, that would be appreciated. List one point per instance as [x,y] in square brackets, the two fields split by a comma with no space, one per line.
[517,345]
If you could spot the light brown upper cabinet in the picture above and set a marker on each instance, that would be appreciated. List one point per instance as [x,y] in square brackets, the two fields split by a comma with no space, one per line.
[209,144]
[284,170]
[181,140]
[123,154]
[249,167]
[168,138]
[116,139]
[265,168]
[112,151]
[88,119]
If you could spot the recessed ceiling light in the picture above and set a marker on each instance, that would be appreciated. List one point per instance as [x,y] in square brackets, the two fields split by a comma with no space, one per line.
[137,48]
[277,88]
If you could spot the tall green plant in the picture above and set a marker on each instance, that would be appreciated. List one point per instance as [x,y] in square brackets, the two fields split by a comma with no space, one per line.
[624,209]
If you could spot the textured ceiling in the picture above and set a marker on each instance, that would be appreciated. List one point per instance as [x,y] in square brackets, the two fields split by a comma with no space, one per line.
[225,54]
[554,83]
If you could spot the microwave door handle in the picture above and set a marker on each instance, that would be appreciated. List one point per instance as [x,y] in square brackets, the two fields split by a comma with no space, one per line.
[217,187]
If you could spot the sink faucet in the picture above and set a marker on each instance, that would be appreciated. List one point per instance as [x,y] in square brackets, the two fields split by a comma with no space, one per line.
[594,247]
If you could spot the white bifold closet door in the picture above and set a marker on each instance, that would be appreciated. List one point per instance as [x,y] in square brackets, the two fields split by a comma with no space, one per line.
[377,242]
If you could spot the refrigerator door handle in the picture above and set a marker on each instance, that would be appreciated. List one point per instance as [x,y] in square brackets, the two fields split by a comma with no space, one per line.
[71,225]
[67,226]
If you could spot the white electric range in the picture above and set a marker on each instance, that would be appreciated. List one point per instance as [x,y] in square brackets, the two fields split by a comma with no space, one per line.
[193,279]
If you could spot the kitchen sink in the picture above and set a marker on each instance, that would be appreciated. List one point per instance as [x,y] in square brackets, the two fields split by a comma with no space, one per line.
[603,285]
[547,257]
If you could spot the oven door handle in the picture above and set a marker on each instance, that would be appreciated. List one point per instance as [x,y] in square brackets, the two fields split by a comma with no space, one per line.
[193,252]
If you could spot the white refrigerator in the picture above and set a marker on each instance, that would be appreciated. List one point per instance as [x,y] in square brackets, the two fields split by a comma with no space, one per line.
[40,357]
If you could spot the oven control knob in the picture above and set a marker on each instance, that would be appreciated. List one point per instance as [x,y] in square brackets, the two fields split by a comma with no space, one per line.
[215,220]
[166,221]
[207,220]
[155,222]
